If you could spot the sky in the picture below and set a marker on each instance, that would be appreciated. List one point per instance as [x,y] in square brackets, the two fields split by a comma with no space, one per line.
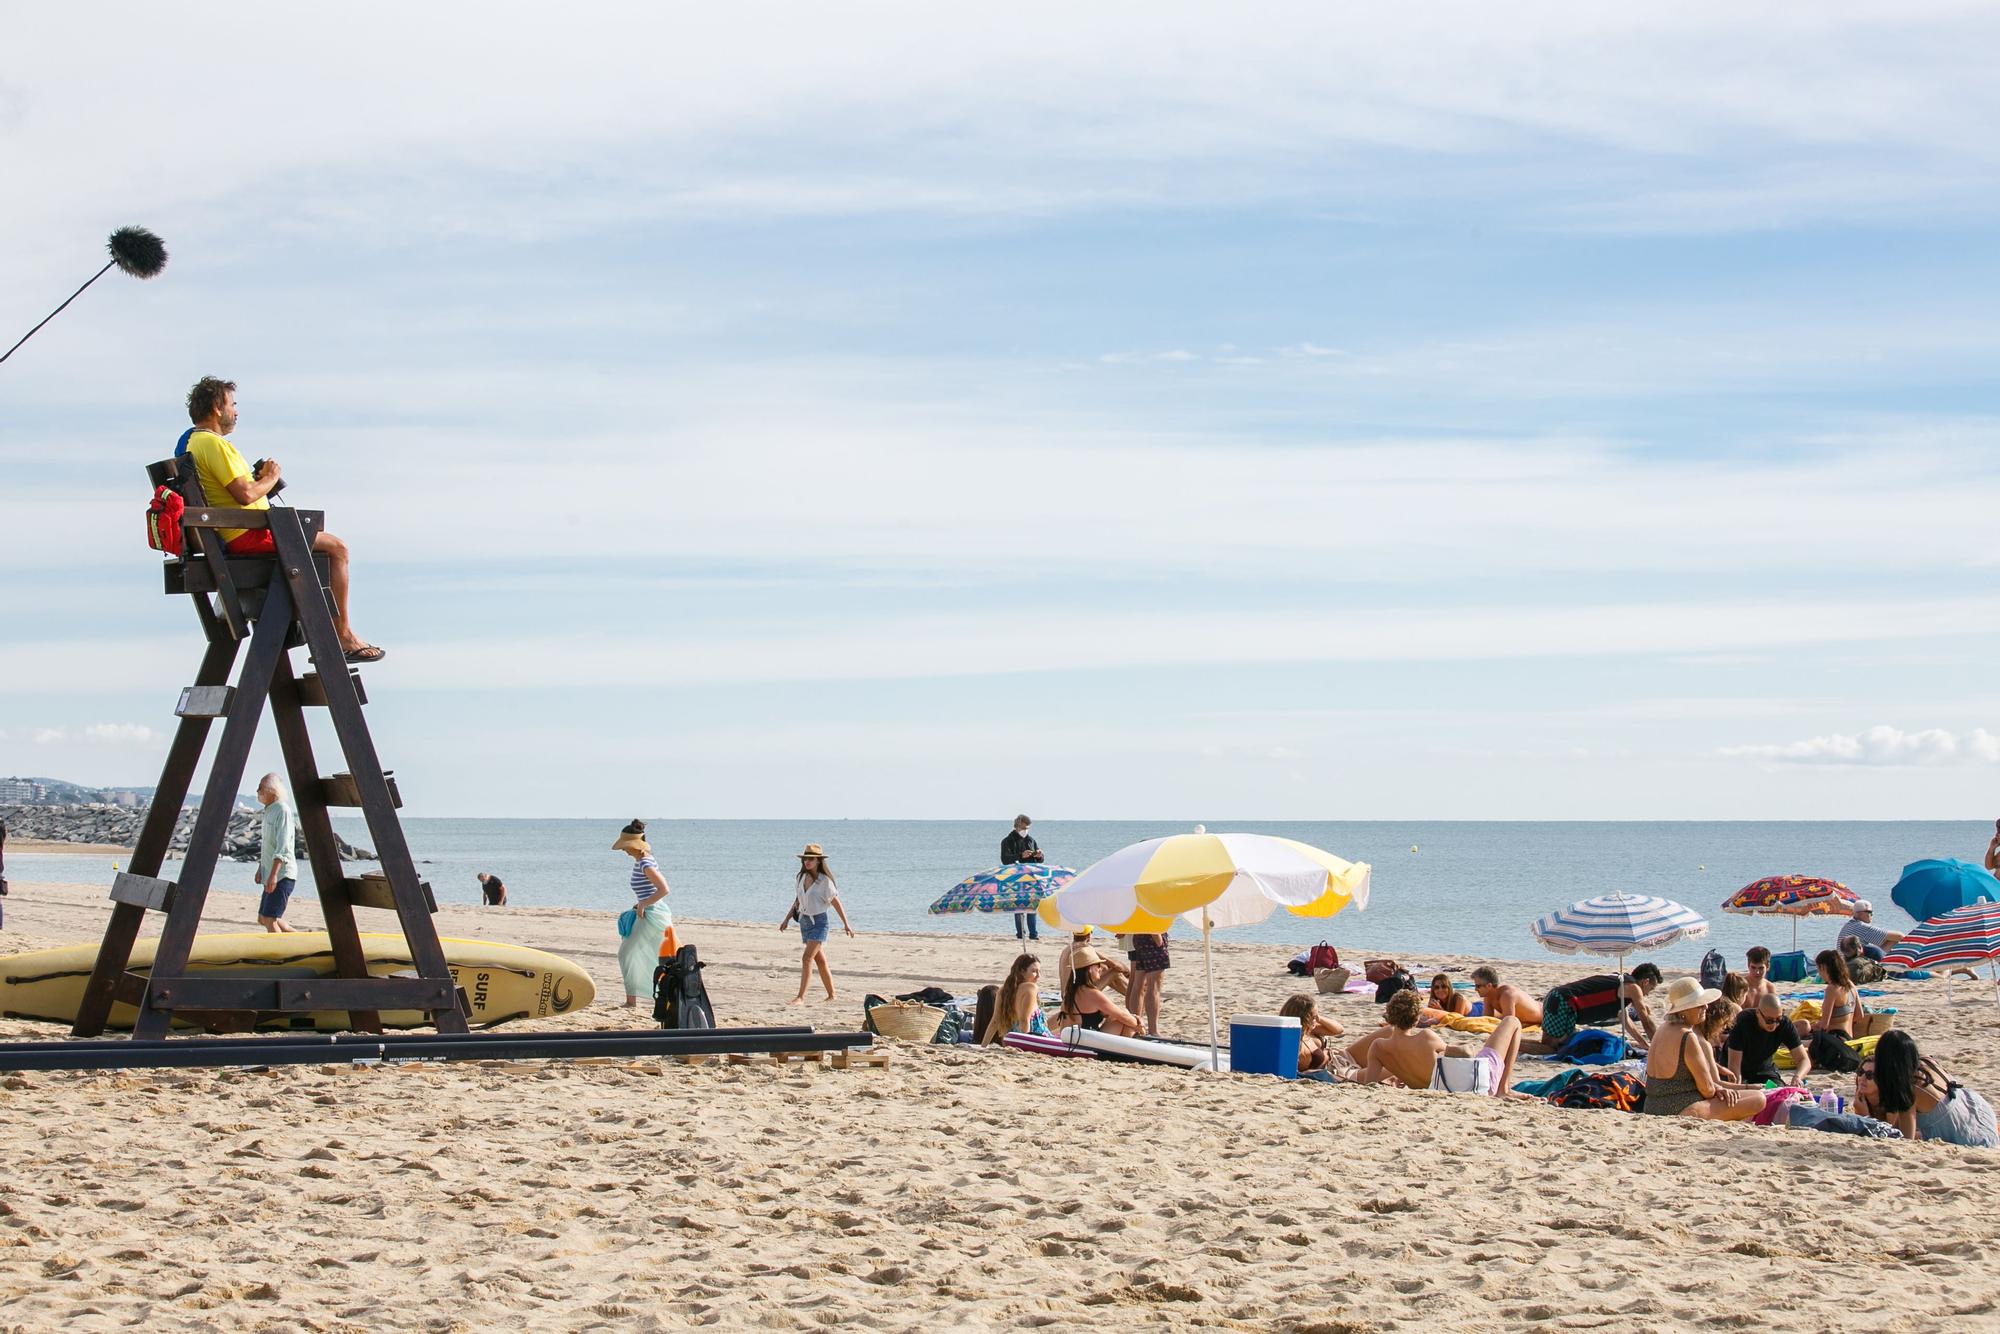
[1135,411]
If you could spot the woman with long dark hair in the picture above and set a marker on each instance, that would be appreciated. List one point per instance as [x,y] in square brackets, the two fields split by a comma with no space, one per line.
[1912,1092]
[815,896]
[1087,1003]
[1840,1009]
[1017,1008]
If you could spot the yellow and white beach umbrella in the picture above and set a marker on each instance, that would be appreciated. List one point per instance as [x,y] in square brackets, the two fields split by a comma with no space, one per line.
[1210,880]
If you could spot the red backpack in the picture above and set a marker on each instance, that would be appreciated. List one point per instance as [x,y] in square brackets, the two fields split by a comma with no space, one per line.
[1323,955]
[163,520]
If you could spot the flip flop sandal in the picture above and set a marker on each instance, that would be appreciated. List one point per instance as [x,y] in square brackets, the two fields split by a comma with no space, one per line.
[366,653]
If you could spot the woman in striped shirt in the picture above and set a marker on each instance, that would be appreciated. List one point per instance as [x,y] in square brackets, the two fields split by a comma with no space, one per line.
[639,951]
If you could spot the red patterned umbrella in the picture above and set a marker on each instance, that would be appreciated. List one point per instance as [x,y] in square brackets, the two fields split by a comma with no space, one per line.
[1793,896]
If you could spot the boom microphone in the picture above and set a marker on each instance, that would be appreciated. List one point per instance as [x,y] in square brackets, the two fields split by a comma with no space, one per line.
[133,249]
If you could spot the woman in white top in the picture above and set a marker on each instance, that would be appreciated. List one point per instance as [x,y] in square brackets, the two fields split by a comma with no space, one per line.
[639,951]
[814,894]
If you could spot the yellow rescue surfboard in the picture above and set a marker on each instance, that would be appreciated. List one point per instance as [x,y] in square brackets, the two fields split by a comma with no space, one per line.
[502,982]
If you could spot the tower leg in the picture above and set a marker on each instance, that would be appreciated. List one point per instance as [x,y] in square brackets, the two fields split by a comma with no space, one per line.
[156,834]
[351,727]
[218,801]
[322,846]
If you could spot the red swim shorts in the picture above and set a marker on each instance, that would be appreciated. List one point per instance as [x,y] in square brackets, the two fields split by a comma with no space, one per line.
[252,542]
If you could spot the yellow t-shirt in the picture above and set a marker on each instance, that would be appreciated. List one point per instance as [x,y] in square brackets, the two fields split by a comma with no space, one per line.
[218,464]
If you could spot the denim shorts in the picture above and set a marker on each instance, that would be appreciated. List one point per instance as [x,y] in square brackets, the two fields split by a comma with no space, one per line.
[813,929]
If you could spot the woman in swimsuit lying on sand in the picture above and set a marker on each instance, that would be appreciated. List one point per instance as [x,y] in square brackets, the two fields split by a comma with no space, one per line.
[1445,997]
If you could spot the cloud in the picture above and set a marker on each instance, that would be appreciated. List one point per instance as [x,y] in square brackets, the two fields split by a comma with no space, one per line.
[1881,745]
[98,734]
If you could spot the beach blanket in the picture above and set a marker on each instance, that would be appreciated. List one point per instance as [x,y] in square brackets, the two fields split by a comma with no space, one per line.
[1593,1046]
[1463,1023]
[1545,1088]
[1913,975]
[1821,994]
[1804,1114]
[1619,1091]
[1775,1101]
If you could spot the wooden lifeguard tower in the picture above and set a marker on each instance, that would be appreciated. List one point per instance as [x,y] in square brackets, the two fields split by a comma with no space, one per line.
[276,603]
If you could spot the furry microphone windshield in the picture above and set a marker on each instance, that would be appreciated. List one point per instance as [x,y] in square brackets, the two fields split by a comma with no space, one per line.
[134,250]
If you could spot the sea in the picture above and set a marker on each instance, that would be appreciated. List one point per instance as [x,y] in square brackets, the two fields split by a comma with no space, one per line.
[1438,887]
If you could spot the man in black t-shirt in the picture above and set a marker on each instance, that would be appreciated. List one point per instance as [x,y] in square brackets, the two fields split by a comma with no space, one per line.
[1020,846]
[1760,1034]
[492,892]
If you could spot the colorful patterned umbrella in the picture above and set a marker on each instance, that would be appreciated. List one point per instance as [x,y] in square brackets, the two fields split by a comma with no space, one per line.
[1793,896]
[1017,888]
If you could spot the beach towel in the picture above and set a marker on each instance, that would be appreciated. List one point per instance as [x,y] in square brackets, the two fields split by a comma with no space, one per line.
[1913,975]
[1775,1101]
[1593,1046]
[1821,994]
[1618,1091]
[1804,1114]
[1553,1085]
[1463,1023]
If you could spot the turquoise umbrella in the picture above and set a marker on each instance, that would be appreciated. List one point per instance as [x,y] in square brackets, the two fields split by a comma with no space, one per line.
[1935,886]
[1017,888]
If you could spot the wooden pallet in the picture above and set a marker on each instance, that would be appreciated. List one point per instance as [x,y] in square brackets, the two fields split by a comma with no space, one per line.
[777,1057]
[861,1058]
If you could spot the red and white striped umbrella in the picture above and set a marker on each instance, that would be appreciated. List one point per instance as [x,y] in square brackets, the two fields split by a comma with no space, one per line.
[1962,936]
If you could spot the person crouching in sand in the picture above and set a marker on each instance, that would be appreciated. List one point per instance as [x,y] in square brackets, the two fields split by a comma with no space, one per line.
[815,896]
[1418,1058]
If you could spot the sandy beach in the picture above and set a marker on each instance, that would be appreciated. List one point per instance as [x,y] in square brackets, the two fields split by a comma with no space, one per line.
[960,1188]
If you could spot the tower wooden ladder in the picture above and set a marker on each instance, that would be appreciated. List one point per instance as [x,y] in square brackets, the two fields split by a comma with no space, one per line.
[274,603]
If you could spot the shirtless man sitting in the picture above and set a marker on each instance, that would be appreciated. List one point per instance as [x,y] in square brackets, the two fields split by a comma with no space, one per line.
[1410,1055]
[1504,999]
[1757,967]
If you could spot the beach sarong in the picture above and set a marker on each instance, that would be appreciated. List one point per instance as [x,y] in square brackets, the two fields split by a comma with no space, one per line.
[639,953]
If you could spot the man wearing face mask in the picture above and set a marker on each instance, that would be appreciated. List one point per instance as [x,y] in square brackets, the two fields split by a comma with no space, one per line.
[1019,846]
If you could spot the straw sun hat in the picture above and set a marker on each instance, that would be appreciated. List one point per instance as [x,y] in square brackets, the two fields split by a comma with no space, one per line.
[1084,957]
[812,850]
[1687,993]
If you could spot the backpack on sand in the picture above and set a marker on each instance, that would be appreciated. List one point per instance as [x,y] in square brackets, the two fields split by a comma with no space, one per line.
[679,998]
[1392,984]
[1321,956]
[1714,969]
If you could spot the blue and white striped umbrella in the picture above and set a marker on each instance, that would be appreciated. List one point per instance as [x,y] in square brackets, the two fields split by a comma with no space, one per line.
[1618,924]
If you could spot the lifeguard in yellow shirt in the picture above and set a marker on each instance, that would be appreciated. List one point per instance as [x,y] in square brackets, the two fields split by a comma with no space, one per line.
[212,408]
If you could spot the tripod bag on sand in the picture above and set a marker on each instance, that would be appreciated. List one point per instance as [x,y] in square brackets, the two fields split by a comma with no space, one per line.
[679,998]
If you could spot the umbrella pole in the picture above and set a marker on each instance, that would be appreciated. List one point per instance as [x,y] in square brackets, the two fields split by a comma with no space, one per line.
[1208,964]
[1795,933]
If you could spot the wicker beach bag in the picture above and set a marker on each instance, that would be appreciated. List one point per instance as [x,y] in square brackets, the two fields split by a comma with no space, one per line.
[1331,981]
[911,1021]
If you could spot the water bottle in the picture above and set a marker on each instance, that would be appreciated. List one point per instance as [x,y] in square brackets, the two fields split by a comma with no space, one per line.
[1829,1101]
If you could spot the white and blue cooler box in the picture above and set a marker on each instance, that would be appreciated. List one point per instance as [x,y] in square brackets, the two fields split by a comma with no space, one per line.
[1264,1044]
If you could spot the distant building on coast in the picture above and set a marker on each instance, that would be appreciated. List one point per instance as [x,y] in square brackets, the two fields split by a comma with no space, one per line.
[22,792]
